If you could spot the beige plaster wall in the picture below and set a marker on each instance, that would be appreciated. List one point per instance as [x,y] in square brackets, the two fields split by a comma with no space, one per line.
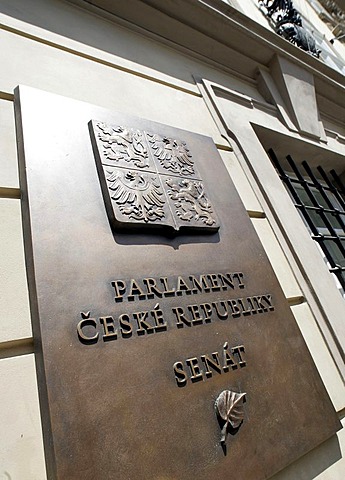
[21,451]
[54,46]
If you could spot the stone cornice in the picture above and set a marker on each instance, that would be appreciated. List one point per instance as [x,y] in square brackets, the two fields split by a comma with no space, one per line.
[215,30]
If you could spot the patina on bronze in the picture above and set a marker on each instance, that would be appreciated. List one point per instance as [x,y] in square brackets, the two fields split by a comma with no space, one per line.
[138,331]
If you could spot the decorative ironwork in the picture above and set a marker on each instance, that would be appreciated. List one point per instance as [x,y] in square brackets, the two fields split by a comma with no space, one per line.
[287,22]
[322,205]
[229,407]
[150,180]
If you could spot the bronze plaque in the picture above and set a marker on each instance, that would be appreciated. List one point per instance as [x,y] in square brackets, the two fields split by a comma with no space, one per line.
[166,349]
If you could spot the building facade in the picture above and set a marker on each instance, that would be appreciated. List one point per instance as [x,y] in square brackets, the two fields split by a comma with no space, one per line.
[265,80]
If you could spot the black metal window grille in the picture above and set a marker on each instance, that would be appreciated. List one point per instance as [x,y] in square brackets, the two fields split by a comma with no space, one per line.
[322,206]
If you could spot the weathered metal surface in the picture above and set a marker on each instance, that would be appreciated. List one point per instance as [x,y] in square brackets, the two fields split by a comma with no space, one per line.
[139,332]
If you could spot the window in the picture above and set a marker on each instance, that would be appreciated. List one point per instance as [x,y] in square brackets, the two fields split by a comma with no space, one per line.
[320,199]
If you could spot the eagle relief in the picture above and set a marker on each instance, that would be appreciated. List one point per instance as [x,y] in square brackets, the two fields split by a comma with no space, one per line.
[150,180]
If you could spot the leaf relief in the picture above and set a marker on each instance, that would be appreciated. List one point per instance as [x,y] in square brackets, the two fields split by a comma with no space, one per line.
[229,406]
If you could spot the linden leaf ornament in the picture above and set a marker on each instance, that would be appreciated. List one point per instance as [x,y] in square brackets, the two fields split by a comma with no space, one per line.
[229,406]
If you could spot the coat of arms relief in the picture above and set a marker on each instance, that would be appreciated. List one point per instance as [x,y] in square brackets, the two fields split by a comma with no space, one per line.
[151,179]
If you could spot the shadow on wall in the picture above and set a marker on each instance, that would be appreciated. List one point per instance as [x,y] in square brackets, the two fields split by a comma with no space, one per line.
[74,23]
[313,463]
[95,27]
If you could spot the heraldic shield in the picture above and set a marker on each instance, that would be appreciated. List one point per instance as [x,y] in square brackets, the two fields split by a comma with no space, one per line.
[149,180]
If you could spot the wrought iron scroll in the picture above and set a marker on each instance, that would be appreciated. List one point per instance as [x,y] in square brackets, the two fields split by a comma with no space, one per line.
[287,22]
